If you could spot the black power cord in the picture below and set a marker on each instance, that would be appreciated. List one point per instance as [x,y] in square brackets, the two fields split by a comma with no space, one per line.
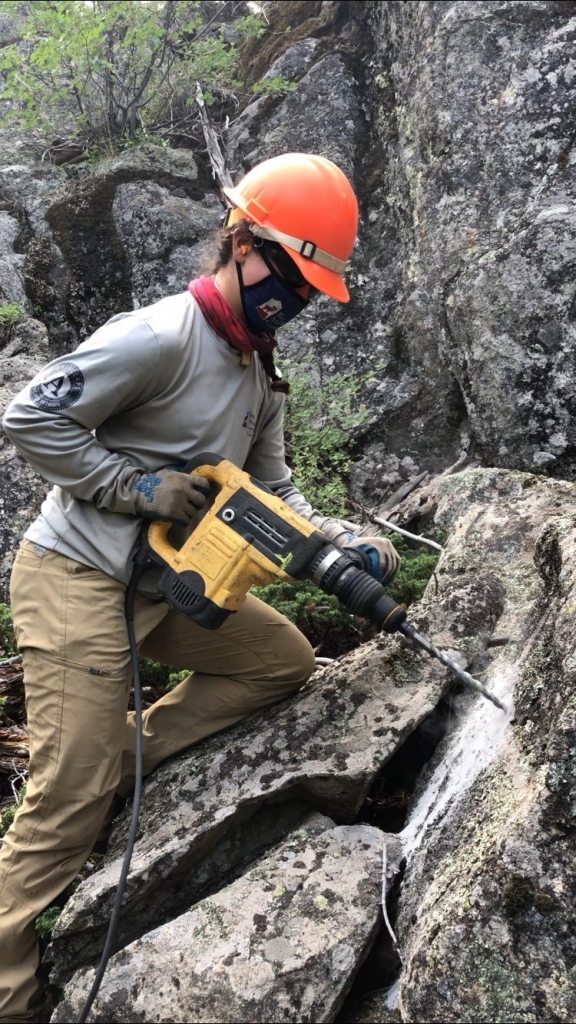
[115,915]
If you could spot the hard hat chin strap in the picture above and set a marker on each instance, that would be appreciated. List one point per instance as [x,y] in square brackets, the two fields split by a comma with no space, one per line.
[306,249]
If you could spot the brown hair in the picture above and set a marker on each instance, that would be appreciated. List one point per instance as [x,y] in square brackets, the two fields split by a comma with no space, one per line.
[243,235]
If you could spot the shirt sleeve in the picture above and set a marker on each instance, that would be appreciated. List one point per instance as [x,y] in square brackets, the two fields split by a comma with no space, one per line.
[267,460]
[51,422]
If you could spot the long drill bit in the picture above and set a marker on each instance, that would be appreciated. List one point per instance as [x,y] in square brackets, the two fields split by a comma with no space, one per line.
[466,678]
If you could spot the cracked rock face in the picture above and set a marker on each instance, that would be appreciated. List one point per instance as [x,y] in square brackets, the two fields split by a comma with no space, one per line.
[487,902]
[488,897]
[281,943]
[322,747]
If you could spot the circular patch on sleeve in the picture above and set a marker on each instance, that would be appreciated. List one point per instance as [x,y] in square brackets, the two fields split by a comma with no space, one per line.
[57,387]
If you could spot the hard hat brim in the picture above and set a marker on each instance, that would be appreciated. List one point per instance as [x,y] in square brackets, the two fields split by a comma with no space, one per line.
[326,281]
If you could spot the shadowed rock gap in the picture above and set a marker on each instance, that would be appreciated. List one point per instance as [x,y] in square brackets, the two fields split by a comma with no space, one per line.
[388,801]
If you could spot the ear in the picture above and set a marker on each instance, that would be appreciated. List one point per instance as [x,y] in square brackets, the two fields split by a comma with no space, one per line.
[240,250]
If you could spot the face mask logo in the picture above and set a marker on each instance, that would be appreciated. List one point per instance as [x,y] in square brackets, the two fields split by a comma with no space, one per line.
[270,308]
[269,303]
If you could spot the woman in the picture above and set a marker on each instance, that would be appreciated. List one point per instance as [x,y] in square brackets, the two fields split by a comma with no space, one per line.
[151,389]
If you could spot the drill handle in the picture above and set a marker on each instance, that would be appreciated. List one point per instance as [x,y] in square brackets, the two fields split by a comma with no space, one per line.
[208,459]
[204,459]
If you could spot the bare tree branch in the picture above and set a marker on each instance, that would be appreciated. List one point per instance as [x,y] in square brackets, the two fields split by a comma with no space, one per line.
[217,159]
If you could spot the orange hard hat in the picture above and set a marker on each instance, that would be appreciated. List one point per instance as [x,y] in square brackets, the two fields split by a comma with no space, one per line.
[307,204]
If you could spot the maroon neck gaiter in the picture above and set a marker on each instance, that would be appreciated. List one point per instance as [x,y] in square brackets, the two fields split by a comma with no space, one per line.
[225,321]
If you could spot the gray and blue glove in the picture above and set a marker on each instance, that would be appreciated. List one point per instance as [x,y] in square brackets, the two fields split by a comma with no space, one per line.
[382,559]
[169,495]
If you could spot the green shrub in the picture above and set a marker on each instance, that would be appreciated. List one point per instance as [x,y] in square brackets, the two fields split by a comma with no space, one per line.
[153,673]
[274,87]
[418,564]
[7,816]
[322,421]
[7,639]
[10,314]
[319,616]
[176,677]
[46,921]
[160,677]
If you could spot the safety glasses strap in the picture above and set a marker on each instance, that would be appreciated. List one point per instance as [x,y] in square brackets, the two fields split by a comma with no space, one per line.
[306,249]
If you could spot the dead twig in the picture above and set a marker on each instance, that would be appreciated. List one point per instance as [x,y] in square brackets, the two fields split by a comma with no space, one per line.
[217,159]
[405,533]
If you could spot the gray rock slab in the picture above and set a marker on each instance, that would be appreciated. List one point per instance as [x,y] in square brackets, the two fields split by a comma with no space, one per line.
[150,160]
[323,746]
[321,116]
[32,188]
[167,238]
[493,309]
[477,166]
[280,944]
[294,62]
[11,278]
[488,898]
[219,866]
[28,342]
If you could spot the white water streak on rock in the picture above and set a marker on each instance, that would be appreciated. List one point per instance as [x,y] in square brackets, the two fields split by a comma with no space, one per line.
[392,994]
[470,749]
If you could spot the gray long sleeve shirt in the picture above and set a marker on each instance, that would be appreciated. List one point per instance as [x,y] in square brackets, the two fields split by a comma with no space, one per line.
[151,388]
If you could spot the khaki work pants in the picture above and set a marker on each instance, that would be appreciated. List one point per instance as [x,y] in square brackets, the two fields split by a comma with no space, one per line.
[71,631]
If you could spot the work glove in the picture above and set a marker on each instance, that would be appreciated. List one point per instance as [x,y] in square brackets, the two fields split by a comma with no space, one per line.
[169,495]
[381,558]
[338,531]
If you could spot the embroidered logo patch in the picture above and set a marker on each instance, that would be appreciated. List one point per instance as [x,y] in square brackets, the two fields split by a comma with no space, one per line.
[58,387]
[249,422]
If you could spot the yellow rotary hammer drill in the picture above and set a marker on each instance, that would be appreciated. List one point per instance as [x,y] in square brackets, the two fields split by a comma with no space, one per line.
[250,537]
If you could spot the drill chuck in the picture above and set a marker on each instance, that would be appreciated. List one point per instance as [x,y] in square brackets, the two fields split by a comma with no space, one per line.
[335,573]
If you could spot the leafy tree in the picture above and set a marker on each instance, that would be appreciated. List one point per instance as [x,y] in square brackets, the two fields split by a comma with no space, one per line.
[110,69]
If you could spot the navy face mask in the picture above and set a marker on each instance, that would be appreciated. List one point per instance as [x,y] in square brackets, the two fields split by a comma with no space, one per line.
[270,303]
